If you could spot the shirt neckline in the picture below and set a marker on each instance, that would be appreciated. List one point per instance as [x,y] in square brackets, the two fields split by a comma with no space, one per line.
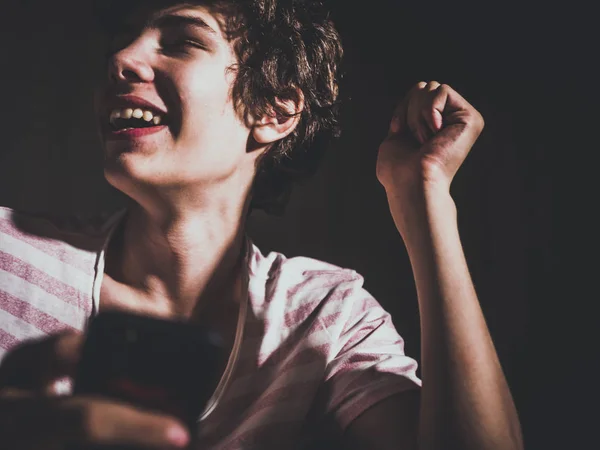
[112,224]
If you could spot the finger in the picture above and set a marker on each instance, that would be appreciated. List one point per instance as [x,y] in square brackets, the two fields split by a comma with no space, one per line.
[81,422]
[432,86]
[432,111]
[448,101]
[95,421]
[37,363]
[413,114]
[432,116]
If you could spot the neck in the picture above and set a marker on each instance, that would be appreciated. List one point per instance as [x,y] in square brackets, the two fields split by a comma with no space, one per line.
[180,260]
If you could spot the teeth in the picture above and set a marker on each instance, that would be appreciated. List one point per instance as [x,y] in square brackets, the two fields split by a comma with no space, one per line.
[137,113]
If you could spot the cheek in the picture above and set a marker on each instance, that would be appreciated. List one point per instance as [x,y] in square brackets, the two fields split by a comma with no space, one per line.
[208,110]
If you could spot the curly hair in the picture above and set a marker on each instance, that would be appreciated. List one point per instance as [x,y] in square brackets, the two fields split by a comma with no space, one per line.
[287,50]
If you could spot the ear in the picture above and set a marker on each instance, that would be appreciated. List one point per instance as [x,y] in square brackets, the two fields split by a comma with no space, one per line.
[273,127]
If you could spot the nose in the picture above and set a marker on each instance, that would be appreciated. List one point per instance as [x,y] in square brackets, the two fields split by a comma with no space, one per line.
[131,64]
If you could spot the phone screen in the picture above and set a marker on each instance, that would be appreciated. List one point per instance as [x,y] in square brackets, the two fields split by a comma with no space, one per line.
[157,364]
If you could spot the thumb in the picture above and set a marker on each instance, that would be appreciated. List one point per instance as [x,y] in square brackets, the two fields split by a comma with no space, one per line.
[36,364]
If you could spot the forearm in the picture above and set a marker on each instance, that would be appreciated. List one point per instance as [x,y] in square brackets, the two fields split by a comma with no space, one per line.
[465,400]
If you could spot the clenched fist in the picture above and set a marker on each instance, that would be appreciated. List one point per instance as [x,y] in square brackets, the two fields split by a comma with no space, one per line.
[430,135]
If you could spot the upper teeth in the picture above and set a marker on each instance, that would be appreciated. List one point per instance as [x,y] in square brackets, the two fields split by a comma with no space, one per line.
[137,113]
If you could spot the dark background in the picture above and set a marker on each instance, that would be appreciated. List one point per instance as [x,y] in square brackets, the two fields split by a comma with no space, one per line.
[520,65]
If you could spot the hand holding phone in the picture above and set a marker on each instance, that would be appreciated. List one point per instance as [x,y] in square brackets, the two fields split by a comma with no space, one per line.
[159,365]
[33,417]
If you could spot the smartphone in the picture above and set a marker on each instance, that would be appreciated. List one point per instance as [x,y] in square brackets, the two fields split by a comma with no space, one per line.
[160,365]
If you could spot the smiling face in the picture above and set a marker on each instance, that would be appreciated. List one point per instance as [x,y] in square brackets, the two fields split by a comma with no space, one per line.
[166,113]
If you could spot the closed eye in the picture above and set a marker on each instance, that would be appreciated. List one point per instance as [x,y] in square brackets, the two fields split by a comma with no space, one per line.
[184,45]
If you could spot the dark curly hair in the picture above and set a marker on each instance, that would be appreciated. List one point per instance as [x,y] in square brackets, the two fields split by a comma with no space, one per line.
[286,50]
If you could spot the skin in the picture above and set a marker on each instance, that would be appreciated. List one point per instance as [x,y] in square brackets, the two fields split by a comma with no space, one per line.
[190,182]
[180,248]
[465,402]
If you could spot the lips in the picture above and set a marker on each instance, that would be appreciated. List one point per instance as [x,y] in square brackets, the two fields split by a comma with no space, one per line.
[130,117]
[133,133]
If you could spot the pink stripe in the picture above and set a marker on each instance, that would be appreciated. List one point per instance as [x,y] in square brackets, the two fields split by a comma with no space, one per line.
[7,341]
[323,280]
[49,284]
[364,332]
[303,356]
[31,315]
[300,314]
[264,376]
[55,248]
[330,320]
[357,362]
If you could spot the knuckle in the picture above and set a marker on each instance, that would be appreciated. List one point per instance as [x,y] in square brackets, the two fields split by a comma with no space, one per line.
[481,121]
[478,120]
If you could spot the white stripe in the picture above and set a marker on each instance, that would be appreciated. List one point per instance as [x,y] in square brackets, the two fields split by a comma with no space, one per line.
[18,328]
[6,213]
[40,299]
[54,267]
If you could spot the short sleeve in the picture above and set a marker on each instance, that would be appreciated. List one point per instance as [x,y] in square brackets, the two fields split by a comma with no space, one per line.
[369,364]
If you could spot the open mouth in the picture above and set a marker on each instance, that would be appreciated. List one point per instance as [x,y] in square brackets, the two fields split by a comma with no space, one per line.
[130,118]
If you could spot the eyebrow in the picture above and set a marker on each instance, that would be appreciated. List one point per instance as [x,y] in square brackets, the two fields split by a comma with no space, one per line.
[179,20]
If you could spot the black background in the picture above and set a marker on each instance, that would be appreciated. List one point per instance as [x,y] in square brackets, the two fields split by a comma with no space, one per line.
[524,66]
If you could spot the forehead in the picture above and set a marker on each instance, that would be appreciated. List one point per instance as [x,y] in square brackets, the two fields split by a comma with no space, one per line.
[114,15]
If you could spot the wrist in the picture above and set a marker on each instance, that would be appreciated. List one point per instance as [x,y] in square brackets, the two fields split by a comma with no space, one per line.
[418,208]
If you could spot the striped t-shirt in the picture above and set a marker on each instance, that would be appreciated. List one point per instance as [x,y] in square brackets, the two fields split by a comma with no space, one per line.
[314,346]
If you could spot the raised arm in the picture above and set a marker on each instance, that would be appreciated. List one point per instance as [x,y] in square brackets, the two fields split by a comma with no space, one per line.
[465,402]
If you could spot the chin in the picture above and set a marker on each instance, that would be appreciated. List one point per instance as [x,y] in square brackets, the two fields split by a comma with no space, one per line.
[125,172]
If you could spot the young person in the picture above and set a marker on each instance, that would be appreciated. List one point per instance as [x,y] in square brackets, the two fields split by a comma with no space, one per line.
[211,109]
